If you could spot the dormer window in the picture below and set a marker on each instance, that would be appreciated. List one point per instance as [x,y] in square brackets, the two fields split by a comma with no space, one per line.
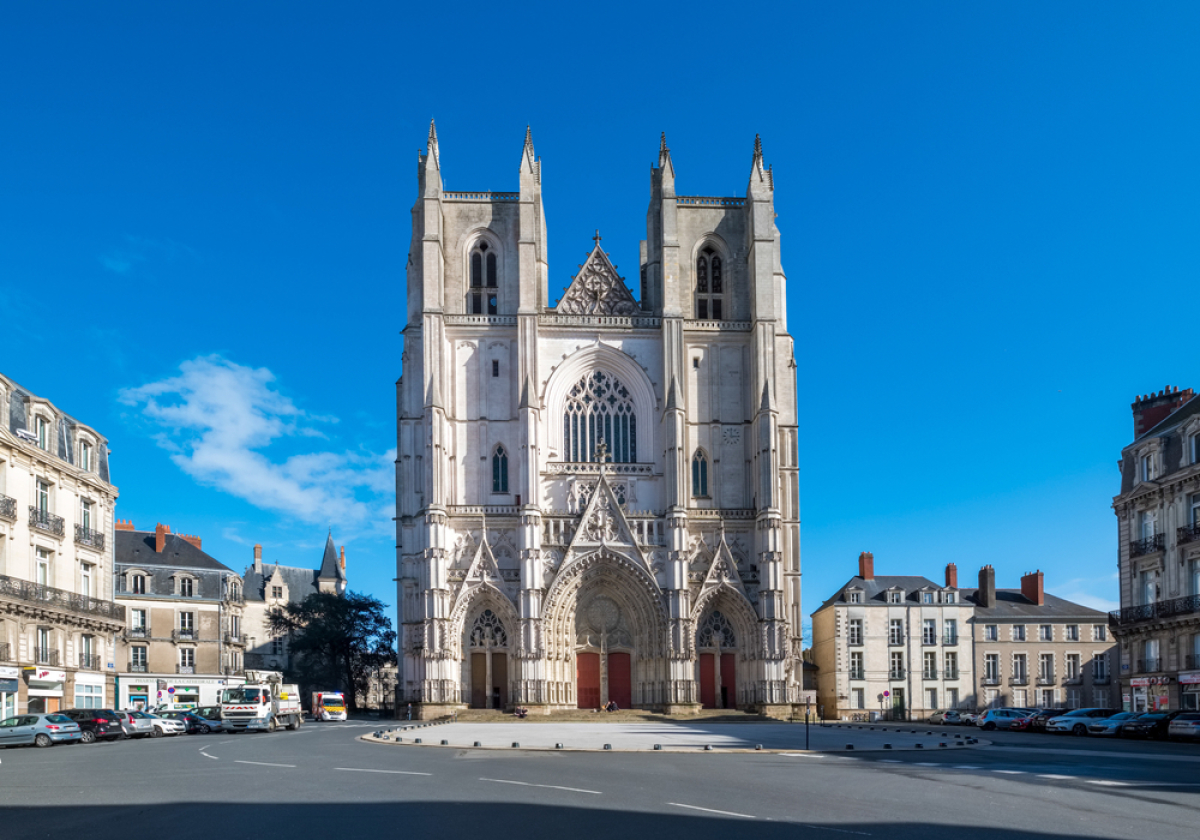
[85,456]
[948,597]
[854,596]
[43,433]
[1146,467]
[926,597]
[896,597]
[483,296]
[710,288]
[187,587]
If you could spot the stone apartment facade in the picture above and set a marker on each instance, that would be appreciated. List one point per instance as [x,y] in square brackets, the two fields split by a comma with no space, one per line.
[597,496]
[904,646]
[183,639]
[58,621]
[1158,550]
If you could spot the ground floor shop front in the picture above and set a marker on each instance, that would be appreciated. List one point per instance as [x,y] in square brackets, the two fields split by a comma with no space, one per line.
[180,691]
[33,690]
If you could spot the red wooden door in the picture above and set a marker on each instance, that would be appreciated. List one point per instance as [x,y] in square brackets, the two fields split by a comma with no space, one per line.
[587,680]
[729,680]
[620,680]
[708,693]
[478,681]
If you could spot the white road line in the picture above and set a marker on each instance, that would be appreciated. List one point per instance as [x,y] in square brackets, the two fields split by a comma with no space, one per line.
[397,772]
[213,757]
[531,784]
[713,810]
[1107,782]
[262,763]
[1012,772]
[890,761]
[802,755]
[927,764]
[1053,776]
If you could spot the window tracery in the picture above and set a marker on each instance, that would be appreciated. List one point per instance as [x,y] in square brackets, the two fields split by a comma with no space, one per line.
[499,470]
[716,628]
[489,631]
[710,285]
[599,408]
[483,295]
[700,474]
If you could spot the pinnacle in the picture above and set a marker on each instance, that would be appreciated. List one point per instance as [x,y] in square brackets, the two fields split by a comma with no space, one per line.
[432,133]
[528,135]
[662,144]
[757,147]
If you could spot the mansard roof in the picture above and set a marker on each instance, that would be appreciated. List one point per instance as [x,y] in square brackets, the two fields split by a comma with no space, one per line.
[1011,605]
[597,289]
[875,589]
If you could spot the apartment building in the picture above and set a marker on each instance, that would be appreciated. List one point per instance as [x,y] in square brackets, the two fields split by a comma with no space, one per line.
[1036,650]
[183,640]
[58,621]
[894,646]
[1158,544]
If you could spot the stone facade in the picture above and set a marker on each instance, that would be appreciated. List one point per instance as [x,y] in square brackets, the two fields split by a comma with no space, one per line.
[1158,543]
[597,497]
[57,617]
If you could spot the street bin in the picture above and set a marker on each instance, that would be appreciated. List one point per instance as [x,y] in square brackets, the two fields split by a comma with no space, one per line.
[874,717]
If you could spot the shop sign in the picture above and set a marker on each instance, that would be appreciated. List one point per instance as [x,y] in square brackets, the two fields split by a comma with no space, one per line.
[1140,682]
[7,672]
[7,685]
[1190,679]
[45,675]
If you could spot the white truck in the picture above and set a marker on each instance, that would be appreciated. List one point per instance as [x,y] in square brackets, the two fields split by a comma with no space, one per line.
[328,705]
[264,703]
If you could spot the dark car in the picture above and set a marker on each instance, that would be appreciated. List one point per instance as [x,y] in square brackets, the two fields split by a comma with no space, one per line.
[211,717]
[1038,722]
[1150,725]
[97,724]
[193,723]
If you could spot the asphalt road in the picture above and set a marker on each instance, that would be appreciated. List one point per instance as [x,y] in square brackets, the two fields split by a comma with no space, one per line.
[321,782]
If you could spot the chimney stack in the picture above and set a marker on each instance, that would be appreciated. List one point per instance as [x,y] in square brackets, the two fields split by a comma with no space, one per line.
[123,525]
[1152,409]
[986,596]
[343,561]
[951,576]
[160,537]
[258,559]
[866,566]
[189,538]
[1031,588]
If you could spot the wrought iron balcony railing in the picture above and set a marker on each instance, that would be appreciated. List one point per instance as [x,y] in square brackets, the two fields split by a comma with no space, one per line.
[89,661]
[895,640]
[50,596]
[896,674]
[929,674]
[928,639]
[857,675]
[138,668]
[950,674]
[950,639]
[46,656]
[187,633]
[1046,679]
[1188,605]
[46,522]
[185,669]
[1149,545]
[1076,679]
[8,508]
[1149,666]
[235,639]
[86,536]
[137,633]
[1023,679]
[1188,533]
[991,681]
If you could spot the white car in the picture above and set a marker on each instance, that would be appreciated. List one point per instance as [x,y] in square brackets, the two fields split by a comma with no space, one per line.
[1077,721]
[166,726]
[1185,726]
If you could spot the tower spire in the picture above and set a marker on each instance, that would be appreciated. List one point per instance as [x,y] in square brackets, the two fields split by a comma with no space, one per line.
[432,145]
[664,155]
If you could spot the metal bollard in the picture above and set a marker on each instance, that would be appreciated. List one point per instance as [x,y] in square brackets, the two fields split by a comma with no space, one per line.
[478,744]
[608,746]
[849,746]
[516,743]
[658,746]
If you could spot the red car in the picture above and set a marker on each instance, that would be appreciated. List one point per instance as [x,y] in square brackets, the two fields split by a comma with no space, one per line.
[1021,724]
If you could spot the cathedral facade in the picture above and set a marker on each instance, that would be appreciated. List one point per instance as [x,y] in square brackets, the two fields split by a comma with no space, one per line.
[597,496]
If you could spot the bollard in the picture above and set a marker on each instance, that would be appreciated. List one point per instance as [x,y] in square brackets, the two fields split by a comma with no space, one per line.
[478,744]
[608,746]
[887,746]
[849,746]
[558,746]
[919,746]
[708,747]
[658,746]
[416,740]
[446,743]
[758,746]
[516,743]
[942,744]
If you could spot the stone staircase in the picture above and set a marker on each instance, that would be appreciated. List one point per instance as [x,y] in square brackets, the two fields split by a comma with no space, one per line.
[623,716]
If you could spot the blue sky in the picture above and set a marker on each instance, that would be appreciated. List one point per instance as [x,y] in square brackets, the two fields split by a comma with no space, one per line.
[989,217]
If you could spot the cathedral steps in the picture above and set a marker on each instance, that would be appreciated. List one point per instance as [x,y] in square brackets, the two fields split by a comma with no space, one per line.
[623,716]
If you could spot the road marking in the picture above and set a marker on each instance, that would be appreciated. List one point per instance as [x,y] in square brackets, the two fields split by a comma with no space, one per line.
[890,761]
[263,763]
[803,755]
[1012,772]
[713,810]
[927,764]
[397,772]
[965,767]
[213,757]
[1107,782]
[838,830]
[1053,776]
[531,784]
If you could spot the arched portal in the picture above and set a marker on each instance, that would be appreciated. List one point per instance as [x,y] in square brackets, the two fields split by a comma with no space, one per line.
[488,649]
[726,648]
[606,634]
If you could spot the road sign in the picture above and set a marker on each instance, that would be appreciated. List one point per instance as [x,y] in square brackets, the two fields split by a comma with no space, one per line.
[887,694]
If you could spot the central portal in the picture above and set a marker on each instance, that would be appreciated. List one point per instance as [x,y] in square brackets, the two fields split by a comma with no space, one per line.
[603,656]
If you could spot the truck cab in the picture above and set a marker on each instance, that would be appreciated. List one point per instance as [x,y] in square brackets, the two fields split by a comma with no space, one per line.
[263,704]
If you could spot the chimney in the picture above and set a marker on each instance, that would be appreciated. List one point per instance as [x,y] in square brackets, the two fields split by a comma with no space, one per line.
[123,524]
[1031,588]
[258,559]
[343,561]
[1151,409]
[986,596]
[951,576]
[160,537]
[193,540]
[866,566]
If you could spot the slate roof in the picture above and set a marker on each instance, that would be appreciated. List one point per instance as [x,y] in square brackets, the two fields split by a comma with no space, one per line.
[875,589]
[330,567]
[1188,409]
[1011,605]
[136,548]
[300,582]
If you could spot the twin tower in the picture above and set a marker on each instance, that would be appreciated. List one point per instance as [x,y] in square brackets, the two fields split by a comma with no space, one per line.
[597,497]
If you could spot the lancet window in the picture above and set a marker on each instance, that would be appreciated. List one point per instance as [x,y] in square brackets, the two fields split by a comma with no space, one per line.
[710,285]
[700,474]
[600,408]
[483,294]
[499,470]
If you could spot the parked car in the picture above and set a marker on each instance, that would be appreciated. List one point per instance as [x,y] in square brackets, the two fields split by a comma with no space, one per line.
[1021,724]
[1001,718]
[1111,726]
[192,724]
[949,717]
[1186,725]
[1038,724]
[166,726]
[1077,721]
[96,724]
[969,718]
[39,729]
[211,715]
[136,724]
[1151,725]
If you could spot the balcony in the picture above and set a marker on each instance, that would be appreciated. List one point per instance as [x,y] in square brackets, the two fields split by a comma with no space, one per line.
[46,522]
[185,669]
[895,641]
[138,668]
[929,640]
[1074,679]
[950,639]
[1046,680]
[855,641]
[1021,680]
[857,675]
[6,652]
[1149,545]
[235,639]
[231,671]
[896,674]
[991,681]
[1149,666]
[88,537]
[89,661]
[1187,534]
[8,508]
[186,634]
[137,633]
[49,596]
[950,674]
[46,656]
[1188,605]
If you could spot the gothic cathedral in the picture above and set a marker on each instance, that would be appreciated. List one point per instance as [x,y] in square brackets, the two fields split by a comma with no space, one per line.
[597,497]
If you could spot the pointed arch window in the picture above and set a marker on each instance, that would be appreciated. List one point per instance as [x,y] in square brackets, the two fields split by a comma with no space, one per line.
[599,407]
[484,292]
[499,470]
[716,631]
[488,631]
[700,474]
[710,285]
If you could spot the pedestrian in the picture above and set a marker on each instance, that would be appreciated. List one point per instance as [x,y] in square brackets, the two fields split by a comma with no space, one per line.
[410,711]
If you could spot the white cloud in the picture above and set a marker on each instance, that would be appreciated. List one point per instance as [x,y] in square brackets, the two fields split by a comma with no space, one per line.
[220,420]
[1086,591]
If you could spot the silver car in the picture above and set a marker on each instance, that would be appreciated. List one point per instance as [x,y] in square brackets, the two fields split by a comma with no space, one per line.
[136,724]
[39,729]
